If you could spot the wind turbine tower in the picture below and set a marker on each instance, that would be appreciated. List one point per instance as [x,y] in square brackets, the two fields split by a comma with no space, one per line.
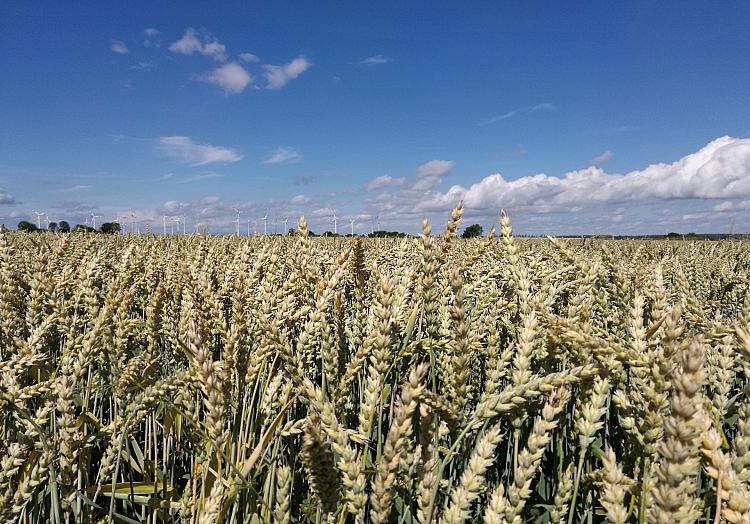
[237,221]
[335,224]
[352,224]
[265,225]
[39,218]
[93,219]
[285,220]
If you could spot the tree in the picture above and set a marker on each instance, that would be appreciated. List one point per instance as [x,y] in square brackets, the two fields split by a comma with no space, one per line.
[63,227]
[474,230]
[26,226]
[52,227]
[80,228]
[110,227]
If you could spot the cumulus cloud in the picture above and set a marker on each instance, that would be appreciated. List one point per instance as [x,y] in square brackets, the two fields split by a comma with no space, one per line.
[721,169]
[300,200]
[604,157]
[375,60]
[119,47]
[431,173]
[284,155]
[277,76]
[384,181]
[183,149]
[522,110]
[232,78]
[199,42]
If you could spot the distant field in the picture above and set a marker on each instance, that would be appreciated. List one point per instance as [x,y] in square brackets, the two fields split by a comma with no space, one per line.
[433,379]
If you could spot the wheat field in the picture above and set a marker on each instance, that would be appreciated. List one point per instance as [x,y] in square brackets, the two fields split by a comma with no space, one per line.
[431,379]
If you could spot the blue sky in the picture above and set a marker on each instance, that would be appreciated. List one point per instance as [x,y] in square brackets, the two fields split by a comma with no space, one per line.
[591,117]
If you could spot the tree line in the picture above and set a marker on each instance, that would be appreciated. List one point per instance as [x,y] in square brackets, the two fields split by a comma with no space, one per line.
[64,227]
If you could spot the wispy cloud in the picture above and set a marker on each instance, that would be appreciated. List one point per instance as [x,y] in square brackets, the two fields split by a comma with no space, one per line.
[300,200]
[6,198]
[76,189]
[604,157]
[202,43]
[183,149]
[119,47]
[200,176]
[375,60]
[152,38]
[232,78]
[277,76]
[144,65]
[384,181]
[284,155]
[303,180]
[248,58]
[522,110]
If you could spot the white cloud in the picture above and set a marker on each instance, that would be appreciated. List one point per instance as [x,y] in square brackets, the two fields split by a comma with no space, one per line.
[6,198]
[375,60]
[76,189]
[248,58]
[724,206]
[232,78]
[431,173]
[119,47]
[210,200]
[152,37]
[278,75]
[522,110]
[300,200]
[284,155]
[384,181]
[721,169]
[174,206]
[202,43]
[434,168]
[604,157]
[144,65]
[185,150]
[323,212]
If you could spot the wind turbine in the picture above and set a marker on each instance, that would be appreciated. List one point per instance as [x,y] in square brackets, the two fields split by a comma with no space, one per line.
[335,228]
[352,224]
[285,220]
[93,219]
[248,227]
[164,223]
[265,225]
[238,220]
[39,218]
